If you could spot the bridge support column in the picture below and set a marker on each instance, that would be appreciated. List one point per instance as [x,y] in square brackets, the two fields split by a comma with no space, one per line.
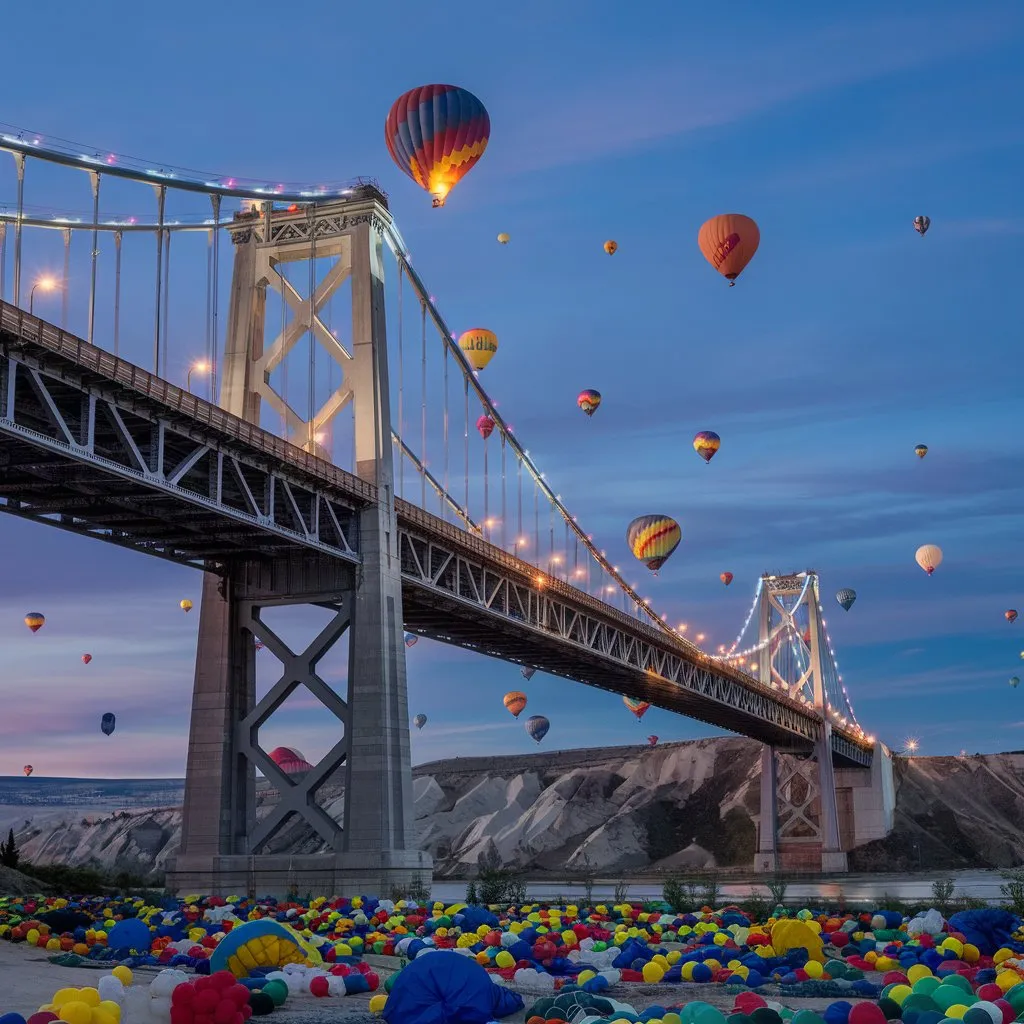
[766,859]
[833,857]
[374,848]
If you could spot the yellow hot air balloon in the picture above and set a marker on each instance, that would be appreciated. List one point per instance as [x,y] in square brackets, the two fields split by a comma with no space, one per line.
[186,605]
[515,702]
[929,557]
[610,246]
[479,346]
[35,621]
[653,538]
[504,238]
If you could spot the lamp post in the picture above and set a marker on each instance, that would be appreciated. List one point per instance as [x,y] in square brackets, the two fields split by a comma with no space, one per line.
[200,367]
[46,284]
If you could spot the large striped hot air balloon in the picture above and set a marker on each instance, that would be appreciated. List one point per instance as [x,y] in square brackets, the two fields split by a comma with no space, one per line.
[706,443]
[436,134]
[35,621]
[290,760]
[588,400]
[515,702]
[652,539]
[728,243]
[638,707]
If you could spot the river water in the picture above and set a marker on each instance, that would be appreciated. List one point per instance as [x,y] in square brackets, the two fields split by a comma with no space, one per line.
[853,888]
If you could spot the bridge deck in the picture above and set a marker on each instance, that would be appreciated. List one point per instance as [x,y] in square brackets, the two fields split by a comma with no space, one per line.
[94,444]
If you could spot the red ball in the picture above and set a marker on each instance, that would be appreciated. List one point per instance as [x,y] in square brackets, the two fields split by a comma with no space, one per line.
[867,1013]
[990,993]
[225,1012]
[185,995]
[373,981]
[319,986]
[748,1002]
[41,1017]
[206,1001]
[1009,1013]
[238,993]
[181,1014]
[895,978]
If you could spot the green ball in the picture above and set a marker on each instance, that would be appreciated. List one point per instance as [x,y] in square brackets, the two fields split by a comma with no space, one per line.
[261,1004]
[277,990]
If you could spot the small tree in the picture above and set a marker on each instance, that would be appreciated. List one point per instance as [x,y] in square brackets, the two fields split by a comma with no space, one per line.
[9,856]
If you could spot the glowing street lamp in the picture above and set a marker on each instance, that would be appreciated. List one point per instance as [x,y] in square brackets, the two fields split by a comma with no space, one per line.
[202,366]
[44,284]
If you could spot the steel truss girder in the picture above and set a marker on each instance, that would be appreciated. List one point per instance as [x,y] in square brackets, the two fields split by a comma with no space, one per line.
[598,645]
[87,458]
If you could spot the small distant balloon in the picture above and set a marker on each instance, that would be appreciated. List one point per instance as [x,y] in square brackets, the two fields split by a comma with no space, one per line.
[185,606]
[504,238]
[485,425]
[728,243]
[1010,614]
[478,345]
[652,539]
[108,723]
[706,443]
[588,400]
[846,597]
[652,741]
[86,658]
[929,557]
[35,621]
[28,770]
[1015,681]
[610,246]
[514,702]
[921,450]
[537,726]
[411,639]
[922,224]
[419,721]
[527,672]
[638,707]
[726,578]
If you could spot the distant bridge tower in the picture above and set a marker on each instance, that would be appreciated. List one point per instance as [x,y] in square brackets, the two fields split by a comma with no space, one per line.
[223,847]
[800,815]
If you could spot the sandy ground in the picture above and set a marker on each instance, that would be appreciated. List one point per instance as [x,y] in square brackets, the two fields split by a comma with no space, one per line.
[28,979]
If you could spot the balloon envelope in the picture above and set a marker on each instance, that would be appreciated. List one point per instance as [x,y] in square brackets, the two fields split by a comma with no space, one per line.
[28,770]
[527,672]
[728,243]
[478,345]
[652,740]
[503,238]
[35,621]
[921,450]
[486,426]
[537,726]
[588,400]
[922,224]
[411,639]
[652,539]
[610,246]
[107,723]
[706,443]
[419,721]
[1010,614]
[186,605]
[436,134]
[1015,681]
[290,760]
[514,702]
[929,557]
[726,578]
[86,658]
[638,707]
[846,597]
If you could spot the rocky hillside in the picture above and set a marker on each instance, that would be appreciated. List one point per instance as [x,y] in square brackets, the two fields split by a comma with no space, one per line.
[613,810]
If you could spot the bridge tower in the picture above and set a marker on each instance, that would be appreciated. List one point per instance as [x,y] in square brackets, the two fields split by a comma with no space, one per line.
[223,846]
[800,825]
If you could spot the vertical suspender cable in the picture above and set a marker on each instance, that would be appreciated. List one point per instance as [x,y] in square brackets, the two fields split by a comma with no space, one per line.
[536,524]
[19,164]
[485,525]
[166,298]
[209,302]
[161,197]
[215,299]
[311,390]
[519,517]
[466,435]
[284,351]
[118,236]
[401,388]
[3,258]
[504,512]
[423,407]
[95,181]
[447,454]
[65,290]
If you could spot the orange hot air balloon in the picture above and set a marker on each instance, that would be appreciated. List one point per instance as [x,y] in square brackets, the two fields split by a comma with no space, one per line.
[185,606]
[478,345]
[35,621]
[86,658]
[726,578]
[515,702]
[1010,614]
[728,243]
[611,246]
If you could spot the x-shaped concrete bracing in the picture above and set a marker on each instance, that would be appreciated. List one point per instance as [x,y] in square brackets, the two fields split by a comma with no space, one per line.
[297,797]
[796,810]
[293,332]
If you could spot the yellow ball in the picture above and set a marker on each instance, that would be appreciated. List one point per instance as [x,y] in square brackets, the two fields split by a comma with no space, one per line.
[505,959]
[76,1012]
[954,945]
[956,1011]
[100,1016]
[899,993]
[1007,980]
[585,976]
[64,995]
[814,969]
[377,1002]
[89,996]
[653,973]
[917,972]
[971,953]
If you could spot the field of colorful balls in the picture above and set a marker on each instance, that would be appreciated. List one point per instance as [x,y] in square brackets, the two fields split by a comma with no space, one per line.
[211,960]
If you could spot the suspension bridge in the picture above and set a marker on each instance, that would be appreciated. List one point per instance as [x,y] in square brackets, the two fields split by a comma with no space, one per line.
[347,456]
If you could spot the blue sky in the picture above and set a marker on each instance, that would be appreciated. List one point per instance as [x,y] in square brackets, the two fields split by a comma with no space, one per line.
[848,339]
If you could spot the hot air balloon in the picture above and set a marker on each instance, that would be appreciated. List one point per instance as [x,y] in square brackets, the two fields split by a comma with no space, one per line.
[486,426]
[922,224]
[929,557]
[503,238]
[588,400]
[514,702]
[638,707]
[290,760]
[726,578]
[537,726]
[86,658]
[921,450]
[259,645]
[728,243]
[419,721]
[28,770]
[411,639]
[436,134]
[652,741]
[35,621]
[478,345]
[527,672]
[185,606]
[1015,681]
[610,246]
[652,539]
[107,723]
[1010,614]
[706,443]
[846,597]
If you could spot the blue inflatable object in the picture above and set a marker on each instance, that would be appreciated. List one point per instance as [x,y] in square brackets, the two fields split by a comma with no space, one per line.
[988,929]
[448,988]
[130,934]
